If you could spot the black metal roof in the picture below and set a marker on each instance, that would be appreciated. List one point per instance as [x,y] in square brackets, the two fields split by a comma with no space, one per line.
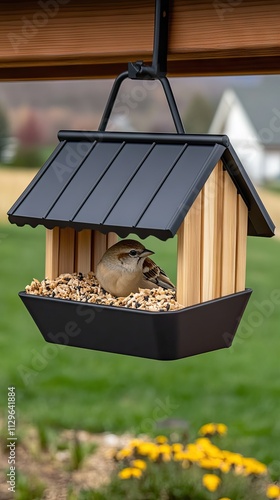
[131,183]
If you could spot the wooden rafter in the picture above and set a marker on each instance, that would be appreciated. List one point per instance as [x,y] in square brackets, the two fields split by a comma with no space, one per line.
[96,39]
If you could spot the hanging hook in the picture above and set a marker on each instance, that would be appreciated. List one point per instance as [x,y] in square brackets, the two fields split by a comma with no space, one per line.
[139,71]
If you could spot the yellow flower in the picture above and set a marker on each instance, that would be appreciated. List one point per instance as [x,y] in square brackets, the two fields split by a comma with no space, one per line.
[224,498]
[161,439]
[177,447]
[222,429]
[139,464]
[210,463]
[164,448]
[253,466]
[153,455]
[134,443]
[203,443]
[129,472]
[211,429]
[125,473]
[180,455]
[207,429]
[273,491]
[225,467]
[148,449]
[233,458]
[209,449]
[165,452]
[136,472]
[145,448]
[124,453]
[239,470]
[194,453]
[211,482]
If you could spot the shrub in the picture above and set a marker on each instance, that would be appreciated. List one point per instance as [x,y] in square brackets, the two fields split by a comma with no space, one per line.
[161,470]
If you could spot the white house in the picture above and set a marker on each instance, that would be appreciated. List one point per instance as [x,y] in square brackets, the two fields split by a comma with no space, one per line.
[250,116]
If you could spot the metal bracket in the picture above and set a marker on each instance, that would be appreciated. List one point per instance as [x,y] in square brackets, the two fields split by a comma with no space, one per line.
[139,71]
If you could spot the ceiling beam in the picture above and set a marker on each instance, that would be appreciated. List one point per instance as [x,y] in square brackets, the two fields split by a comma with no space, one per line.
[62,39]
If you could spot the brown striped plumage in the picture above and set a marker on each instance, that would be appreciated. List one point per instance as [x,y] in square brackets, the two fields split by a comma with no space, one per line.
[125,267]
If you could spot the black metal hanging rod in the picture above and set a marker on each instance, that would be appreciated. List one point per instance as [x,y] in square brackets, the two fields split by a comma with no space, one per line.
[139,71]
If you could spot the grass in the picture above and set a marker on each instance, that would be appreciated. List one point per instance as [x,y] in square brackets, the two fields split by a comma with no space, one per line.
[95,391]
[273,186]
[170,481]
[29,488]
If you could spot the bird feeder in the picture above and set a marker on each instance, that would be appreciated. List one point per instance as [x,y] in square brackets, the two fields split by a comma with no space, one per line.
[94,188]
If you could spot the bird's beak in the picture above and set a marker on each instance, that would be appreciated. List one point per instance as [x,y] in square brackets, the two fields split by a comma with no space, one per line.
[146,252]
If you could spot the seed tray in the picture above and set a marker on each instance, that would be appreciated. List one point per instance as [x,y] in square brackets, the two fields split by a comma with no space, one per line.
[156,335]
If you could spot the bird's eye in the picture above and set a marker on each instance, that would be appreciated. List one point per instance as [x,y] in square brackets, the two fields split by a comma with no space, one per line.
[133,253]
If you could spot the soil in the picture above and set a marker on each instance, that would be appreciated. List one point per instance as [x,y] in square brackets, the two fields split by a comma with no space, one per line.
[51,465]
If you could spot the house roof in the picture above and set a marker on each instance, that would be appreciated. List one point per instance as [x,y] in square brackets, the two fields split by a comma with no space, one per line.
[131,183]
[261,103]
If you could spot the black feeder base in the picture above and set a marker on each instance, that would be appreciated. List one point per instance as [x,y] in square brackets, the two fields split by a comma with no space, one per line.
[160,335]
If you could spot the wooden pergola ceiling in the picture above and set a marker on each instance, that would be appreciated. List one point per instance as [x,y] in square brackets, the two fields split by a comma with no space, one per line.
[62,39]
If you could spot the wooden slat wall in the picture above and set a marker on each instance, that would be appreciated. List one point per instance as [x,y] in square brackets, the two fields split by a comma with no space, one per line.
[99,246]
[241,244]
[52,253]
[112,238]
[100,243]
[209,231]
[83,251]
[229,236]
[188,260]
[95,39]
[219,229]
[68,251]
[66,257]
[212,242]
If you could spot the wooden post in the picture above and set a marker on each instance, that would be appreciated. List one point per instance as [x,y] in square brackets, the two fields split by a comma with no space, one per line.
[229,236]
[52,253]
[83,251]
[112,238]
[66,250]
[188,261]
[241,244]
[99,247]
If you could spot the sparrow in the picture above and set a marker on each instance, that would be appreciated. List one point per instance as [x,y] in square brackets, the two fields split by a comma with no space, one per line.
[125,267]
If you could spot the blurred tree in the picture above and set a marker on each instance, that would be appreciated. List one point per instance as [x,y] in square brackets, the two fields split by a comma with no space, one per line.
[199,115]
[31,133]
[4,130]
[31,138]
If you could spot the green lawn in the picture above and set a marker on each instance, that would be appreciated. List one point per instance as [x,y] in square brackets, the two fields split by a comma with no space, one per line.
[100,391]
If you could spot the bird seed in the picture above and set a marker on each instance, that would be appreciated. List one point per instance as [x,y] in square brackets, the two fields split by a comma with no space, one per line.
[85,288]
